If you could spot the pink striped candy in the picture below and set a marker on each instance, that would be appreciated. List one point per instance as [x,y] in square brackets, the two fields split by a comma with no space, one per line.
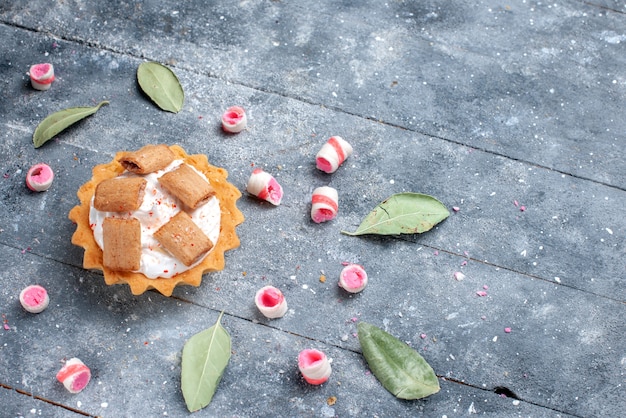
[264,186]
[333,153]
[314,366]
[234,119]
[41,76]
[74,375]
[353,278]
[270,302]
[324,204]
[34,299]
[39,177]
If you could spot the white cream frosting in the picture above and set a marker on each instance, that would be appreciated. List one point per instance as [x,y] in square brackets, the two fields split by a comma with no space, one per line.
[157,209]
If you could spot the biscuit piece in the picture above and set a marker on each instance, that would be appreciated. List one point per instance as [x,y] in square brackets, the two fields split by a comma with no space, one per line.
[122,244]
[148,159]
[184,239]
[187,185]
[121,194]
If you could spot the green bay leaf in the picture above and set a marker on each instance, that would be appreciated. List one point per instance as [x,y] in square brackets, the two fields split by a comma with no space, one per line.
[403,213]
[58,121]
[205,357]
[161,85]
[398,367]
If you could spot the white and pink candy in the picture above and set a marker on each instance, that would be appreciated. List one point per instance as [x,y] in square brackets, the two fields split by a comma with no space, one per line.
[234,120]
[314,366]
[34,298]
[324,204]
[271,302]
[332,154]
[41,76]
[74,375]
[264,186]
[353,278]
[39,177]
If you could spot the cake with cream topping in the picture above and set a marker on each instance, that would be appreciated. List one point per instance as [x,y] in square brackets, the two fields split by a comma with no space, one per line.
[156,218]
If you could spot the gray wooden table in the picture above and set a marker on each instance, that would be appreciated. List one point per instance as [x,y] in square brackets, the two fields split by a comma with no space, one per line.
[487,106]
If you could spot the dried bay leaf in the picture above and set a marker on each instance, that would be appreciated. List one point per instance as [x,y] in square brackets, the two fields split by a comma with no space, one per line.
[58,121]
[161,85]
[205,357]
[403,213]
[398,367]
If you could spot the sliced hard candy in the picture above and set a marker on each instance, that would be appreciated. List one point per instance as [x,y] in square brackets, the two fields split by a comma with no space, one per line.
[41,76]
[324,204]
[74,375]
[314,366]
[39,177]
[271,302]
[353,278]
[234,120]
[332,154]
[264,186]
[34,299]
